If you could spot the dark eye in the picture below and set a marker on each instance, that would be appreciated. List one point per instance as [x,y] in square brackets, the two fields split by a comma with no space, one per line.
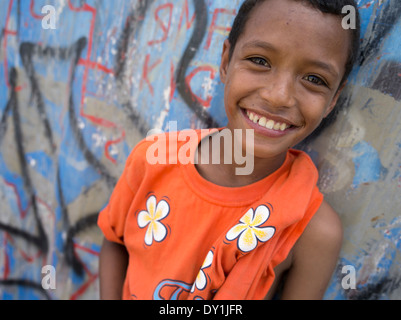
[315,80]
[259,61]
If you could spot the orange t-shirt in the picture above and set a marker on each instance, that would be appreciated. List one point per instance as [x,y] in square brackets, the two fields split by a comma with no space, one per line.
[188,238]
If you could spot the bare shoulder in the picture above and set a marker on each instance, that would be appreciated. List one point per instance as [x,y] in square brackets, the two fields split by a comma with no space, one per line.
[325,226]
[323,233]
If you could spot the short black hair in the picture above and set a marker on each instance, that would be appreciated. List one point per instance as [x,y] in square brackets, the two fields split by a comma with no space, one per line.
[334,7]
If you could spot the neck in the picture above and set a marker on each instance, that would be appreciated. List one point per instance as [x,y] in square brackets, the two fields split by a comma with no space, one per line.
[230,173]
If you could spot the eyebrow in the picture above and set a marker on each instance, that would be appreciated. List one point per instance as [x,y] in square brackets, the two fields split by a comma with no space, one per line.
[260,44]
[267,46]
[323,65]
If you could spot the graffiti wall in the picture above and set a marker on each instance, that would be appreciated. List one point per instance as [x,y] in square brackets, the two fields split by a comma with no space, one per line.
[81,86]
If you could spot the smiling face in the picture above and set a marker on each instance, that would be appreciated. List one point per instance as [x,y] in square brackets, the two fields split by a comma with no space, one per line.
[284,74]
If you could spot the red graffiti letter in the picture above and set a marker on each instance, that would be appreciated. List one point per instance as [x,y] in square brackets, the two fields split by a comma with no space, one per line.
[146,70]
[214,27]
[186,11]
[161,24]
[172,82]
[204,103]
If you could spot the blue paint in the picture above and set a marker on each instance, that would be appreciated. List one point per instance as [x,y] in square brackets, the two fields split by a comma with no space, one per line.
[15,180]
[71,177]
[3,93]
[7,296]
[393,232]
[368,167]
[42,164]
[217,104]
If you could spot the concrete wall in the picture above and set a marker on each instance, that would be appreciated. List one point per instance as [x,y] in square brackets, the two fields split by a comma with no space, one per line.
[75,100]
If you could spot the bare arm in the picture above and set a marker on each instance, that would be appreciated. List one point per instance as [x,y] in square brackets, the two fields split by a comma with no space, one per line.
[314,257]
[113,262]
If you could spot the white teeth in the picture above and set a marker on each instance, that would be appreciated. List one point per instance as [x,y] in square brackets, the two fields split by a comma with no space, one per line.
[270,124]
[264,122]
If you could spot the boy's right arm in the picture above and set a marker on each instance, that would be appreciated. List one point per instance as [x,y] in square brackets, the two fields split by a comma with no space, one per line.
[113,262]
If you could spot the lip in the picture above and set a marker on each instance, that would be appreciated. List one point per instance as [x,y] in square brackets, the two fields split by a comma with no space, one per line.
[265,131]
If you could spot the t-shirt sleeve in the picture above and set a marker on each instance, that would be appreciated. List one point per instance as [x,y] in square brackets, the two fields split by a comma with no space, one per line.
[112,218]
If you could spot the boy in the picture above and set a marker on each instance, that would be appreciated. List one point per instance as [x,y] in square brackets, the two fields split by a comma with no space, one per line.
[199,231]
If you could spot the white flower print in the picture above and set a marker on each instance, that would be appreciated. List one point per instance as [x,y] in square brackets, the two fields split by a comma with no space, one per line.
[151,218]
[248,231]
[201,280]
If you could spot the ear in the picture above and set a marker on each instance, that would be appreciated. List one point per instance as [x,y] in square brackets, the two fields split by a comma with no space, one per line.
[225,60]
[335,99]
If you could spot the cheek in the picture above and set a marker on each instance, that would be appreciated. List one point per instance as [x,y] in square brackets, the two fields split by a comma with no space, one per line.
[236,88]
[230,98]
[314,111]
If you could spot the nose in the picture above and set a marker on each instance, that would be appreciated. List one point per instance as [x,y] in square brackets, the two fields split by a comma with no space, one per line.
[279,90]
